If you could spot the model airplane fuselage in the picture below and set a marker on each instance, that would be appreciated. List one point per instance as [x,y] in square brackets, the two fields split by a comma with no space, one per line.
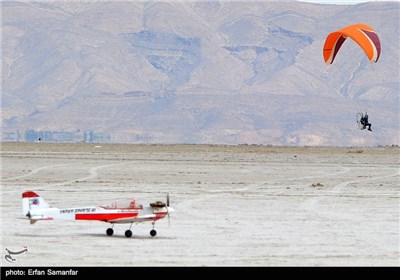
[35,208]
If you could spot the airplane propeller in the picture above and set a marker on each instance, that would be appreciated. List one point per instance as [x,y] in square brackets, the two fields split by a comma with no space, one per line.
[169,222]
[167,199]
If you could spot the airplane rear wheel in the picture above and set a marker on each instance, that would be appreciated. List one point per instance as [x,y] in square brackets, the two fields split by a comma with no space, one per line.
[153,232]
[110,231]
[128,233]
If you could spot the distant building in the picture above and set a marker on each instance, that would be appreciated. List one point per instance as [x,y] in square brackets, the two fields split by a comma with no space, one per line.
[13,136]
[32,135]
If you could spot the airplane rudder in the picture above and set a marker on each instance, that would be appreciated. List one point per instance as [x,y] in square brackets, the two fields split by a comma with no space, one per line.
[31,200]
[26,197]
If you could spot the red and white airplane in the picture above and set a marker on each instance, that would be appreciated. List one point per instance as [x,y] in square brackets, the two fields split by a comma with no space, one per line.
[35,208]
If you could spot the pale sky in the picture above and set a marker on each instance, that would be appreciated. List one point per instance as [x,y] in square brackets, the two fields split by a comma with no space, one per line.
[342,2]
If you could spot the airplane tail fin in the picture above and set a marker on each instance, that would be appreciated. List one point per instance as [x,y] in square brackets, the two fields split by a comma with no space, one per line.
[32,201]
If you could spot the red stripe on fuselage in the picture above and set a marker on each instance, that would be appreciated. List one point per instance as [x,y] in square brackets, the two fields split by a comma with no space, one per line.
[161,215]
[105,217]
[157,217]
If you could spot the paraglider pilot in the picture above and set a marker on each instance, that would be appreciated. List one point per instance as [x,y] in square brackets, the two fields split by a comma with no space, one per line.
[365,123]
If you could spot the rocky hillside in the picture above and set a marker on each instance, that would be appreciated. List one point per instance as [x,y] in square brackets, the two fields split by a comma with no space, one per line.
[198,72]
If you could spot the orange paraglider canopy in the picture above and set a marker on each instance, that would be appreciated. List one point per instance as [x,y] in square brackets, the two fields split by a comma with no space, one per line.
[364,35]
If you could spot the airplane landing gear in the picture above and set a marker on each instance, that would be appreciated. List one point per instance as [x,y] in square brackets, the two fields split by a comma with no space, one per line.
[128,233]
[110,231]
[153,232]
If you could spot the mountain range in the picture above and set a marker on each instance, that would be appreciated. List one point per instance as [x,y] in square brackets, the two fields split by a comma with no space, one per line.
[204,72]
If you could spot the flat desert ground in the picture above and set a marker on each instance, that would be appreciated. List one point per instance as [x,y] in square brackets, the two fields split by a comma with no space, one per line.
[234,205]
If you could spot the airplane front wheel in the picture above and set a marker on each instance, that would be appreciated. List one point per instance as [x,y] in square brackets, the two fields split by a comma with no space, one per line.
[110,232]
[153,232]
[128,233]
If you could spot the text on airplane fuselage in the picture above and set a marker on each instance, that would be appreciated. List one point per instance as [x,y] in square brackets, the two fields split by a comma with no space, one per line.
[77,210]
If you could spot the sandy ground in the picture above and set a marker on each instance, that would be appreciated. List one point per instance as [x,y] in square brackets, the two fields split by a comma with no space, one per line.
[235,206]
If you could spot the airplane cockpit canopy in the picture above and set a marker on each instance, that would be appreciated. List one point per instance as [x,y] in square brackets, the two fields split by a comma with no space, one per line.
[124,204]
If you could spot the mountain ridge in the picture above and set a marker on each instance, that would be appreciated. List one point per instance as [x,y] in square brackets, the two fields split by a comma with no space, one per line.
[198,72]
